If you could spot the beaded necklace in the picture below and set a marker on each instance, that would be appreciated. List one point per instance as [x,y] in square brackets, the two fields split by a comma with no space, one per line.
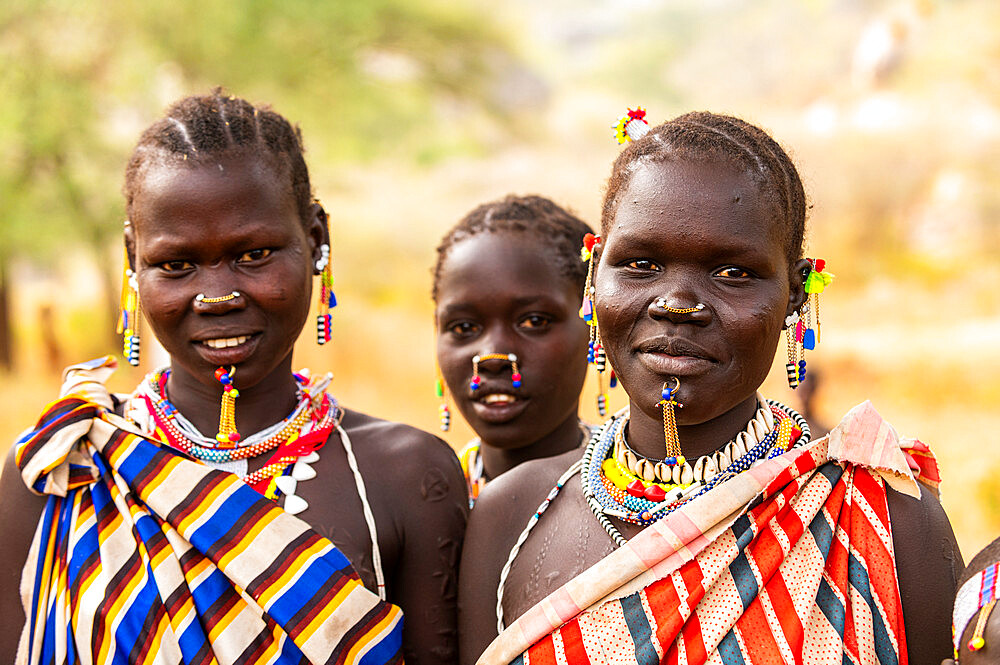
[294,440]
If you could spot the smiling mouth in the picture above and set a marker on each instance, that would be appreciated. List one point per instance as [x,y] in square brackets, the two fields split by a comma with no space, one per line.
[498,398]
[225,342]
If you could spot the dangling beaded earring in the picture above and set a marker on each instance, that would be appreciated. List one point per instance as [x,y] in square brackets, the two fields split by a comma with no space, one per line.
[227,436]
[668,402]
[515,376]
[596,355]
[327,299]
[128,313]
[802,328]
[444,414]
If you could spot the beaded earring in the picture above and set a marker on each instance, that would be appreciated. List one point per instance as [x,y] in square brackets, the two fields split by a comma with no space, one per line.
[668,402]
[802,328]
[632,126]
[515,377]
[596,355]
[327,299]
[444,413]
[227,436]
[128,313]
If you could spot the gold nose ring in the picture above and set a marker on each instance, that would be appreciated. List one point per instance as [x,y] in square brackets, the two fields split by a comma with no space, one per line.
[201,297]
[662,304]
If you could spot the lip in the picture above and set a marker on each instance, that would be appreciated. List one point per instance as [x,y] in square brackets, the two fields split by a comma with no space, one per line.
[230,355]
[497,412]
[674,357]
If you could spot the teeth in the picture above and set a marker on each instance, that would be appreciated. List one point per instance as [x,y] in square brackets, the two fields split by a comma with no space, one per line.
[498,397]
[226,342]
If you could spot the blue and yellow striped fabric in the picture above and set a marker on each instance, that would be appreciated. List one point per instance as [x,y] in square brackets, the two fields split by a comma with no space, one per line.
[143,555]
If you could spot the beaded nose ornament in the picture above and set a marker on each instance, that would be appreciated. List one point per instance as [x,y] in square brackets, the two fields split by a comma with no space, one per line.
[668,402]
[227,436]
[229,296]
[662,304]
[515,377]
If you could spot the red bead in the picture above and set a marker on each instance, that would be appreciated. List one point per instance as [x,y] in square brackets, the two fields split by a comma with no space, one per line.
[655,493]
[636,488]
[219,373]
[515,377]
[820,264]
[589,240]
[234,436]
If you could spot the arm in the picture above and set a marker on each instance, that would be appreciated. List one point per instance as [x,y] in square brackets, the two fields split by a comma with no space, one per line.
[20,511]
[928,563]
[433,507]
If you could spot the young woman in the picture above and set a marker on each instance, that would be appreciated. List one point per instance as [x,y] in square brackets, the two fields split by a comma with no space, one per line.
[511,347]
[710,527]
[135,549]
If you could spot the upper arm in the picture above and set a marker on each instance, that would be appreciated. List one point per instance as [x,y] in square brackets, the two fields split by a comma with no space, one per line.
[928,563]
[433,507]
[20,511]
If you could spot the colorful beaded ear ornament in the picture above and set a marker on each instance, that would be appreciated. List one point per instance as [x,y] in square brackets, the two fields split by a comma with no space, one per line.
[515,377]
[632,126]
[327,299]
[444,414]
[227,437]
[976,598]
[662,304]
[596,355]
[802,328]
[128,314]
[668,402]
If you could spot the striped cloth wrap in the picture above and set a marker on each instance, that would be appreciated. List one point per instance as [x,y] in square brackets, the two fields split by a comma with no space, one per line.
[789,562]
[143,555]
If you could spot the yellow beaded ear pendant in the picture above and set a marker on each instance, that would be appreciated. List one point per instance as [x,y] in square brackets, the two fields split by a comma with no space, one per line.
[227,437]
[668,402]
[128,313]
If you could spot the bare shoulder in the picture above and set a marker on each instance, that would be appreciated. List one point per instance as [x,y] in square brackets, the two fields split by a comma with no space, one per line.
[928,563]
[385,440]
[517,493]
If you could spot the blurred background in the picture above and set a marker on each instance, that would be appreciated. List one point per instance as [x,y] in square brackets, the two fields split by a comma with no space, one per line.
[415,111]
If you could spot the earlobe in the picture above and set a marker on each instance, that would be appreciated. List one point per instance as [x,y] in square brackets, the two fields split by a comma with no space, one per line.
[318,231]
[796,292]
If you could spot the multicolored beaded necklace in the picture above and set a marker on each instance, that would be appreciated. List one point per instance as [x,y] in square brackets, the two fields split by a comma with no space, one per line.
[610,488]
[294,439]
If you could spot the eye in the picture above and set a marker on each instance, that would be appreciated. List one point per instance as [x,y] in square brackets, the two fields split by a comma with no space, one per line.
[463,328]
[644,265]
[175,266]
[254,255]
[734,272]
[535,322]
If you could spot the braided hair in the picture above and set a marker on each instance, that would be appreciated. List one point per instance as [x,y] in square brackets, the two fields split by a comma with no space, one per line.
[707,136]
[560,231]
[205,127]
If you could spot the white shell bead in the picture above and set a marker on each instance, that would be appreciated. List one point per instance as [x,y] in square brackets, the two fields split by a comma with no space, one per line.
[646,470]
[631,461]
[302,471]
[286,484]
[675,474]
[662,472]
[758,430]
[731,451]
[711,469]
[687,475]
[768,418]
[722,462]
[311,458]
[743,443]
[295,504]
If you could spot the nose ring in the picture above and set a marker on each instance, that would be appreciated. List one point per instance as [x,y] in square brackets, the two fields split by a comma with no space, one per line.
[515,376]
[662,304]
[201,297]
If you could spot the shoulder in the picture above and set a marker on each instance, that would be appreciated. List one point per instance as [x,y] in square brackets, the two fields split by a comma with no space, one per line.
[385,437]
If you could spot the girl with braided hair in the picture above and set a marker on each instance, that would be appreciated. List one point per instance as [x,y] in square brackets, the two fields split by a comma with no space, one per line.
[229,510]
[701,524]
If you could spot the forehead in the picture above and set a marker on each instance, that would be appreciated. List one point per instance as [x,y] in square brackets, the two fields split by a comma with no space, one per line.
[705,201]
[228,189]
[491,266]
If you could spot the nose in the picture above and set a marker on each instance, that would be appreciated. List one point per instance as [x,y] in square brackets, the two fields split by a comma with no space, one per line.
[679,306]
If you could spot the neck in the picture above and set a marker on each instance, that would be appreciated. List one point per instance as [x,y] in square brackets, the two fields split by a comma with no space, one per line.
[565,437]
[259,406]
[645,433]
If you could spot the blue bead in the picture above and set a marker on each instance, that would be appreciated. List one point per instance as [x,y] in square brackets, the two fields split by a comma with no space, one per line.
[517,384]
[474,386]
[333,300]
[802,363]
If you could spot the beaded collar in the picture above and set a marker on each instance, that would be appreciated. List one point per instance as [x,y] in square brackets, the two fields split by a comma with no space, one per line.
[294,440]
[611,490]
[975,599]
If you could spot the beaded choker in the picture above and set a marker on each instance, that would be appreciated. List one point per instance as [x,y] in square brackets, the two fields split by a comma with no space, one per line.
[612,488]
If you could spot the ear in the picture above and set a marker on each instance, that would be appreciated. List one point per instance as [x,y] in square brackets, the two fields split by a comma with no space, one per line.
[797,274]
[318,232]
[130,244]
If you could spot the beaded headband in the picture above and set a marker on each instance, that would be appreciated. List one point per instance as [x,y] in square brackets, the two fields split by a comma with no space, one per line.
[976,597]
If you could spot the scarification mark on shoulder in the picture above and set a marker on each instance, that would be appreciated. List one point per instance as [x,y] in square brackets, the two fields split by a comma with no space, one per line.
[434,486]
